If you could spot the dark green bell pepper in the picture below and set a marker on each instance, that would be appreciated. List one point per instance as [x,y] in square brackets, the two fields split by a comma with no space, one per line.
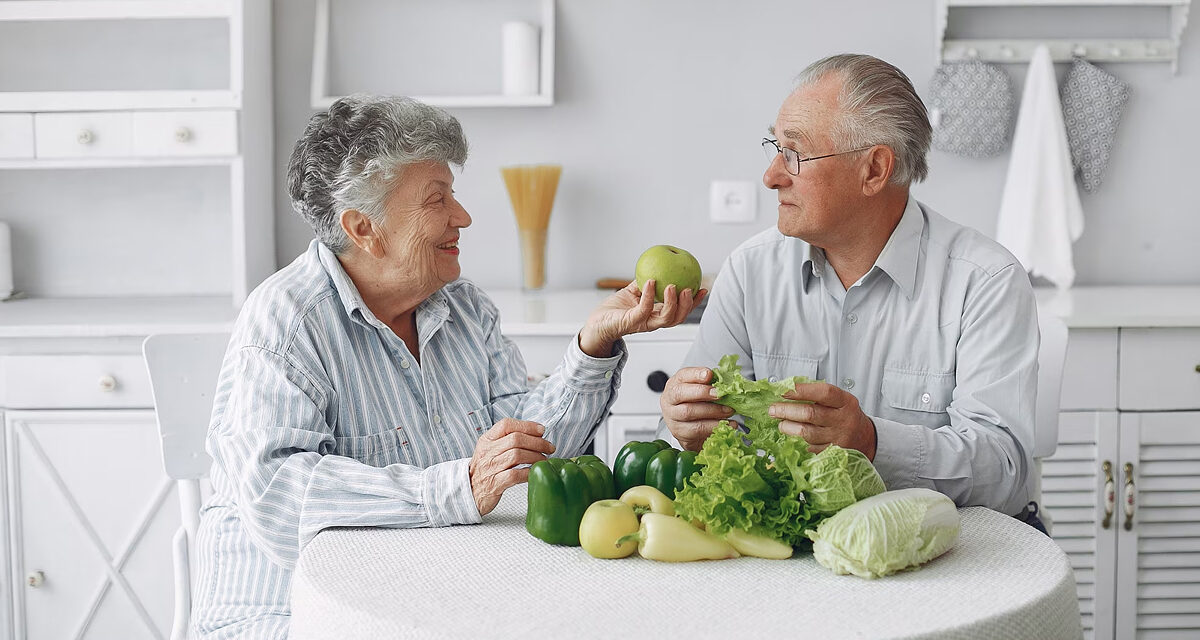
[629,469]
[560,491]
[669,469]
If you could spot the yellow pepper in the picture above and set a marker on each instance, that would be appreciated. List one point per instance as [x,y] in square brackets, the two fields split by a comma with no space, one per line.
[603,524]
[670,539]
[749,544]
[645,498]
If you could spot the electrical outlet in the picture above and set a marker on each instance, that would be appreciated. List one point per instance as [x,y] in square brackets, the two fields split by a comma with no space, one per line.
[731,201]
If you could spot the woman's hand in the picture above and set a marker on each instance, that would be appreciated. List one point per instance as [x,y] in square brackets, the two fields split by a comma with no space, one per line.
[506,445]
[631,310]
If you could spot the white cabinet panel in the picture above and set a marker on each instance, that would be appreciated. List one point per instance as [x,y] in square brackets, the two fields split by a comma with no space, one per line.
[647,359]
[624,428]
[16,135]
[184,133]
[83,135]
[1090,371]
[542,354]
[1160,369]
[92,515]
[74,381]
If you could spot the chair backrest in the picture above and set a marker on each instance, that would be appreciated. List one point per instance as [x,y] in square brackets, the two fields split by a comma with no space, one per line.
[183,379]
[1051,356]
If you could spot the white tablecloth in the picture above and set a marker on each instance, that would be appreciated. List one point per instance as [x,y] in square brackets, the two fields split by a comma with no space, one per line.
[1002,580]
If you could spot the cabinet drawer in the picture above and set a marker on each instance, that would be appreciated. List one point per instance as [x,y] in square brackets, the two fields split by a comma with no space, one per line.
[1159,368]
[74,382]
[16,135]
[82,135]
[1090,371]
[646,358]
[184,133]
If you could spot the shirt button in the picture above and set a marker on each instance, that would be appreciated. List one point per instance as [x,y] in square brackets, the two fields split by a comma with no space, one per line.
[404,364]
[437,419]
[925,398]
[852,318]
[848,383]
[607,375]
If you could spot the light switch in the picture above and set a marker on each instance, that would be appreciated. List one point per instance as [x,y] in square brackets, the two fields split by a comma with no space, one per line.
[731,201]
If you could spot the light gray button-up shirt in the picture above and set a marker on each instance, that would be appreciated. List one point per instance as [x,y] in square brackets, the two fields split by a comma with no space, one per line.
[938,341]
[322,418]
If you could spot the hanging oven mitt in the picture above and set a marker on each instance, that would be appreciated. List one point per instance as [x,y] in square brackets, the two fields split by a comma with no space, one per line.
[972,109]
[1092,101]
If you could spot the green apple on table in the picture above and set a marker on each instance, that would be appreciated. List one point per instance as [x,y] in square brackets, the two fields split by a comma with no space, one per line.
[666,265]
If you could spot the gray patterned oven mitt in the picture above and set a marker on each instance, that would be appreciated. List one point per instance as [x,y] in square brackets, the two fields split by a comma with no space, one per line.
[1092,101]
[972,109]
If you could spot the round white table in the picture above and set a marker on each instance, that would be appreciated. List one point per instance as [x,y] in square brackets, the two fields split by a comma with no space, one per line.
[1002,579]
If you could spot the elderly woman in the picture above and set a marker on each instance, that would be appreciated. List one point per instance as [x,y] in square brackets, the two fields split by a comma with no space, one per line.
[366,384]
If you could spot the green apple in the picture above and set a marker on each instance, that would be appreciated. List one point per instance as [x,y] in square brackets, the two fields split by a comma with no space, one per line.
[668,265]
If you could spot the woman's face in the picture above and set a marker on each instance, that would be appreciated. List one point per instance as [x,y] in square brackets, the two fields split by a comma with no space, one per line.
[420,232]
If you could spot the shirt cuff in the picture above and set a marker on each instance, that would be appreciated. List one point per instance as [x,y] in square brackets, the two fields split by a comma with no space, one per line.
[447,494]
[899,453]
[584,373]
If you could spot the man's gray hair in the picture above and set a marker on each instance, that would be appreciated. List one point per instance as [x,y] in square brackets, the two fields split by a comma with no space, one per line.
[878,106]
[350,156]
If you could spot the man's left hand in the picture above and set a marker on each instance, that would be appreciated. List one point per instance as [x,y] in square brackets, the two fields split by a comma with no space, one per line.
[834,417]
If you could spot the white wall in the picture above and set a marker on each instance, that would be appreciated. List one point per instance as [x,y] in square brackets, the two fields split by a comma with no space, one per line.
[654,99]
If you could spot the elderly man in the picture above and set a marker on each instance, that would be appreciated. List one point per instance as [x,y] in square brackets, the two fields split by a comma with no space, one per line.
[924,332]
[366,384]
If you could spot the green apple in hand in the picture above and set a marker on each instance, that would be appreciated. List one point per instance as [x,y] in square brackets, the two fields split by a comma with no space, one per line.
[668,265]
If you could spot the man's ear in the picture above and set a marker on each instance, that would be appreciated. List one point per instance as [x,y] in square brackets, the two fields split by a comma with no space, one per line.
[881,162]
[362,232]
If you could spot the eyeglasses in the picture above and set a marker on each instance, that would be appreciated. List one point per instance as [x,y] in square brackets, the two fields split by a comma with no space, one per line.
[792,159]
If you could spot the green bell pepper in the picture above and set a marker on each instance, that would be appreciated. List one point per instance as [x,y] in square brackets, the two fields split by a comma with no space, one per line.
[669,469]
[629,470]
[560,491]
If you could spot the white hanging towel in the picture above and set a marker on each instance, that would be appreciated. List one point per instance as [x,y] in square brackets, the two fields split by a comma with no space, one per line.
[1040,215]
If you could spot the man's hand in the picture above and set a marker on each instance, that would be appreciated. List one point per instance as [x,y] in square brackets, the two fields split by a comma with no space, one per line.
[834,417]
[507,444]
[688,409]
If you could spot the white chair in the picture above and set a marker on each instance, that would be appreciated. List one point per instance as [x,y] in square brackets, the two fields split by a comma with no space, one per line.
[183,378]
[1051,355]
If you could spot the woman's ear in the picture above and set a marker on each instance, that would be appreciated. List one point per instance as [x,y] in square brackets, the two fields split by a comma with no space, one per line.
[881,162]
[362,232]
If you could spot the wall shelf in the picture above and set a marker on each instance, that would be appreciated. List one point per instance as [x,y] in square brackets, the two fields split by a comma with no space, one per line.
[1061,49]
[321,98]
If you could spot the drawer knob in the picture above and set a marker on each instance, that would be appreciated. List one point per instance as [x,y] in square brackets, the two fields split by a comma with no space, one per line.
[183,134]
[657,381]
[35,579]
[108,383]
[85,137]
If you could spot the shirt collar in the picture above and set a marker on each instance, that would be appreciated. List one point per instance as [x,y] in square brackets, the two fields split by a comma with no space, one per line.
[812,264]
[431,312]
[902,252]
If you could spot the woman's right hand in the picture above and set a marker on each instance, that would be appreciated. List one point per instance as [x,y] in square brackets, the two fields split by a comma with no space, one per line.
[508,444]
[688,408]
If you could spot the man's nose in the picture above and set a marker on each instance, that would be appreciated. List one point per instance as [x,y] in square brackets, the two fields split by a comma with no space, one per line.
[776,175]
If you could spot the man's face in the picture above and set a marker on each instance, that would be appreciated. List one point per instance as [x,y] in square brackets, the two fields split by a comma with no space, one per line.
[815,205]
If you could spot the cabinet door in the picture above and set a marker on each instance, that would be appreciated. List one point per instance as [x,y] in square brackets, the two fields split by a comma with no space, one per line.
[619,429]
[1158,549]
[1073,495]
[92,515]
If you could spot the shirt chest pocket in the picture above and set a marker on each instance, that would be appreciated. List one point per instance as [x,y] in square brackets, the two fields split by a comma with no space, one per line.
[778,367]
[376,449]
[924,391]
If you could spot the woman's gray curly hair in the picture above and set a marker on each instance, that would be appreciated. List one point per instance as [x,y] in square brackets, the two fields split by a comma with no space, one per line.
[350,156]
[878,106]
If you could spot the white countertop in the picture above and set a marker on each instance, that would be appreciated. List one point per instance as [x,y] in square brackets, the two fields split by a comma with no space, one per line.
[545,313]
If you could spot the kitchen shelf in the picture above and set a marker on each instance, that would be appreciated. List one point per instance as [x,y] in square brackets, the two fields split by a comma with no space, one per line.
[321,99]
[115,163]
[1012,50]
[31,10]
[112,317]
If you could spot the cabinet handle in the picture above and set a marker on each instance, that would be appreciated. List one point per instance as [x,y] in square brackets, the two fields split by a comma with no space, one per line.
[35,579]
[108,383]
[1129,491]
[1110,494]
[183,134]
[657,381]
[85,137]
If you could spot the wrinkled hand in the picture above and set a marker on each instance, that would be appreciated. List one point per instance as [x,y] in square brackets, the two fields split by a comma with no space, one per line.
[633,310]
[688,408]
[507,444]
[834,417]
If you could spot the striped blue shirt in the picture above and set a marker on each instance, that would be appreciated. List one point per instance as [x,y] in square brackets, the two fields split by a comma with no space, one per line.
[323,418]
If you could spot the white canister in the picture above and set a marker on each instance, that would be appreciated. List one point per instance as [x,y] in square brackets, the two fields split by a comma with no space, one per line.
[520,56]
[6,263]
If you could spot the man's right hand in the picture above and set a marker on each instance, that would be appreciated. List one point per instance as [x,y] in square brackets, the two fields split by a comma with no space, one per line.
[507,444]
[688,407]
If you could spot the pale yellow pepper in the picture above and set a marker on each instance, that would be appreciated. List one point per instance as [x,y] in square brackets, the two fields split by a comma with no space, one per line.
[670,539]
[645,498]
[749,544]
